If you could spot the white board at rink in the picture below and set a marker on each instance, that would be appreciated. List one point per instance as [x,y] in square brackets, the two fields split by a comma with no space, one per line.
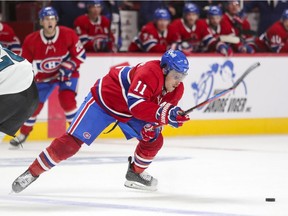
[263,94]
[257,106]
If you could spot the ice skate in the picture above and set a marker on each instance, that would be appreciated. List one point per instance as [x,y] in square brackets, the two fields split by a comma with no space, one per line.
[17,141]
[141,181]
[23,181]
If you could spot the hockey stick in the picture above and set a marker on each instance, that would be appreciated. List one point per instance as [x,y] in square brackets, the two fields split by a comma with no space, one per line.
[55,77]
[220,94]
[229,39]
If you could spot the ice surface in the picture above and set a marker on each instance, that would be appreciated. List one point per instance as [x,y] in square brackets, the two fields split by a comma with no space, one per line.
[203,176]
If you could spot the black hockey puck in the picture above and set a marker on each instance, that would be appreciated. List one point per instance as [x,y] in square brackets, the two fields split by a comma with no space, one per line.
[270,199]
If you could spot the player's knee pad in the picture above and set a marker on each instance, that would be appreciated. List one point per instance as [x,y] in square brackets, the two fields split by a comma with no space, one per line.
[68,103]
[64,147]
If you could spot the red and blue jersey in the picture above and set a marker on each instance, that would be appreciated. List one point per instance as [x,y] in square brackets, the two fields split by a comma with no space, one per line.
[198,37]
[8,39]
[151,40]
[275,39]
[89,32]
[46,55]
[127,92]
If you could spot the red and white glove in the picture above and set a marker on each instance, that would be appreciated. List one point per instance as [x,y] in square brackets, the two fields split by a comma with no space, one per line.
[171,115]
[66,70]
[100,45]
[224,49]
[150,133]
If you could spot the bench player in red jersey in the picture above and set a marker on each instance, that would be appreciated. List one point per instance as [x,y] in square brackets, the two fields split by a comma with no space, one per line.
[56,53]
[155,36]
[138,98]
[8,38]
[216,28]
[94,30]
[193,34]
[238,26]
[275,39]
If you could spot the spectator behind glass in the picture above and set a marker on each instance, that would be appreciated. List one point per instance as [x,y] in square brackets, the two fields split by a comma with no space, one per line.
[68,11]
[94,30]
[8,39]
[275,39]
[155,36]
[270,11]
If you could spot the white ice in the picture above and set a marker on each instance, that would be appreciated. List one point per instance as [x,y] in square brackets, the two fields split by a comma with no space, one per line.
[202,176]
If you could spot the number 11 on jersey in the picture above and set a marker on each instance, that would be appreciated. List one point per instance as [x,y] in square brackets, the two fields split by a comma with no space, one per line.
[139,86]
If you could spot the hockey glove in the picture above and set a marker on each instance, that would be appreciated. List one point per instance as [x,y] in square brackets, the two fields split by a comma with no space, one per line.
[100,45]
[149,133]
[66,71]
[185,47]
[246,49]
[169,114]
[224,49]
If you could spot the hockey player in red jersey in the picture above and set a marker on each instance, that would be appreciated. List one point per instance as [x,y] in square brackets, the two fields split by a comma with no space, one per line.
[238,27]
[8,39]
[94,30]
[56,53]
[191,31]
[155,36]
[138,98]
[275,39]
[213,23]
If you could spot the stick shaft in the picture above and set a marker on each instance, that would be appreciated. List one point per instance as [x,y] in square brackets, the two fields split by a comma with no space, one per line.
[222,93]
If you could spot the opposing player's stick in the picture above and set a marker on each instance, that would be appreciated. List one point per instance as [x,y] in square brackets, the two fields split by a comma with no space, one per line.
[220,94]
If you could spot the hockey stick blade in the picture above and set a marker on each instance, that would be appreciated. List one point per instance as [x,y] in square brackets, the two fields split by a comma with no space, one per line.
[240,79]
[222,93]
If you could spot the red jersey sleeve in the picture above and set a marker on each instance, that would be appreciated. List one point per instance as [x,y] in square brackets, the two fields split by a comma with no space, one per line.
[144,89]
[75,47]
[149,41]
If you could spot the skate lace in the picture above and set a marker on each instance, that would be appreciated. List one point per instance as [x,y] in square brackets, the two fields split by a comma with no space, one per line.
[25,180]
[145,176]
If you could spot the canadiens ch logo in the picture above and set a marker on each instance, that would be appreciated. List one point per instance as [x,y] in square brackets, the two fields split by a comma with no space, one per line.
[49,65]
[86,135]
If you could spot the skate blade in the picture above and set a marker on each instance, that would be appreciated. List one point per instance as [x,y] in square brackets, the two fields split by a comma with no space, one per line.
[138,186]
[13,148]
